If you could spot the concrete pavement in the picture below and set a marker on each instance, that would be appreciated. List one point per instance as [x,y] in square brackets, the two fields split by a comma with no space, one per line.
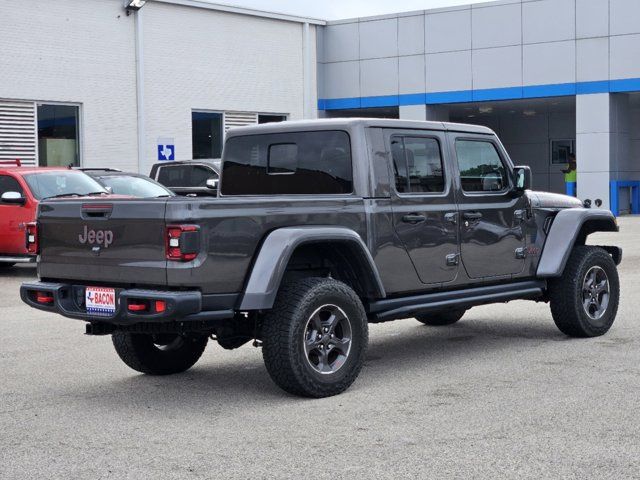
[501,394]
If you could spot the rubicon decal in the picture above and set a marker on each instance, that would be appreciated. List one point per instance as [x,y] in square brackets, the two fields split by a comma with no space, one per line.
[103,238]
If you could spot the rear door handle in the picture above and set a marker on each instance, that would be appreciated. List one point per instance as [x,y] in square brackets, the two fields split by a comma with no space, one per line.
[472,216]
[413,218]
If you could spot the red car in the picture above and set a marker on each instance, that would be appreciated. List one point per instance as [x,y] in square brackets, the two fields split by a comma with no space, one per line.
[21,189]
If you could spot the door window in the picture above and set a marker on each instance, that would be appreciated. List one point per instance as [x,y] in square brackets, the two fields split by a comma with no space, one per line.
[481,169]
[58,144]
[9,184]
[417,165]
[206,134]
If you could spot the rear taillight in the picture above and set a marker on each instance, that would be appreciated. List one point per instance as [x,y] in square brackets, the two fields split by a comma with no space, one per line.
[31,240]
[182,242]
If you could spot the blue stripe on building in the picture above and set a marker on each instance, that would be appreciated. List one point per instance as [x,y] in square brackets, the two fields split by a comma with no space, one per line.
[483,95]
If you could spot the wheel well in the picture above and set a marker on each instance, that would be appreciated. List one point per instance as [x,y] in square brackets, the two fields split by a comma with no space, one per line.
[592,226]
[341,260]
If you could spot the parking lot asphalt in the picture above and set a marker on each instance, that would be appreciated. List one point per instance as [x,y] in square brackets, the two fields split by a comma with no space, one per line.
[501,394]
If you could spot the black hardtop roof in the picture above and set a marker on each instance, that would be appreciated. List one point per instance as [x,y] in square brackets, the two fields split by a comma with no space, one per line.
[353,123]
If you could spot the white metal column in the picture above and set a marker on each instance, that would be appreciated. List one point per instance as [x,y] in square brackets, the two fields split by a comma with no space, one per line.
[140,90]
[307,70]
[593,147]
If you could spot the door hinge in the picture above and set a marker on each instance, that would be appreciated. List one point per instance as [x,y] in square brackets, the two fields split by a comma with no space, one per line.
[453,259]
[521,252]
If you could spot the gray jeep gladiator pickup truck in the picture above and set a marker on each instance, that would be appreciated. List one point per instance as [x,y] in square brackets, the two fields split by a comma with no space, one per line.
[321,227]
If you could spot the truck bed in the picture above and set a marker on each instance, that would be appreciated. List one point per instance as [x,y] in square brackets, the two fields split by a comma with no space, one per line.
[229,229]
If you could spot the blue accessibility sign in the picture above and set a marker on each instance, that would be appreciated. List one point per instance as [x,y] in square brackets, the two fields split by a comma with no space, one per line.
[166,149]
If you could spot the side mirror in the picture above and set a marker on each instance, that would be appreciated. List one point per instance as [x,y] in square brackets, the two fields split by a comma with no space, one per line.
[13,198]
[522,175]
[212,183]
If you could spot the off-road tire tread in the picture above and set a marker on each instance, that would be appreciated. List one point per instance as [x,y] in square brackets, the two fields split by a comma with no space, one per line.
[565,293]
[279,348]
[138,352]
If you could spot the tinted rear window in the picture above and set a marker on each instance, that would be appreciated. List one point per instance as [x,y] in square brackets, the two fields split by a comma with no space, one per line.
[288,163]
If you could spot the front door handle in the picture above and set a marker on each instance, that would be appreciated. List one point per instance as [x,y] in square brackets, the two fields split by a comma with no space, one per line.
[472,216]
[413,218]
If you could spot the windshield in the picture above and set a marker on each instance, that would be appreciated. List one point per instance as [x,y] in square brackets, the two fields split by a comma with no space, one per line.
[134,186]
[61,182]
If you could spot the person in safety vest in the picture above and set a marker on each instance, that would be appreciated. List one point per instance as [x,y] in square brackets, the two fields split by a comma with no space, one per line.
[570,176]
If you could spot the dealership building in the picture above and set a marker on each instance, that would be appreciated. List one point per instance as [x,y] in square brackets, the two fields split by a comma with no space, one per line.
[82,82]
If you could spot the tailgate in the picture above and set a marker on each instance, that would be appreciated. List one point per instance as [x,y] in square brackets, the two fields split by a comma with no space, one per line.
[103,241]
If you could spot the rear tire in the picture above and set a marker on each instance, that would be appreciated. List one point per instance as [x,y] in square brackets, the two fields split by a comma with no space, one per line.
[584,300]
[315,337]
[439,319]
[159,354]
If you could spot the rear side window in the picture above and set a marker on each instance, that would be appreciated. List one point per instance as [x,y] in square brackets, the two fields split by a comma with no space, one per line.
[9,184]
[283,159]
[481,169]
[417,164]
[288,163]
[185,175]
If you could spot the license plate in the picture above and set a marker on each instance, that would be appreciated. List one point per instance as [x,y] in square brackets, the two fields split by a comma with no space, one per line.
[100,300]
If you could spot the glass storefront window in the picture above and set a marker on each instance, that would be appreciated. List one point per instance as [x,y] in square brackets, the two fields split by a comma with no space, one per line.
[561,150]
[267,118]
[206,132]
[58,140]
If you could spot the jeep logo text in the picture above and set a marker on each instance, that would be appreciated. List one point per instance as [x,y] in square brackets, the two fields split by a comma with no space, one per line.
[99,237]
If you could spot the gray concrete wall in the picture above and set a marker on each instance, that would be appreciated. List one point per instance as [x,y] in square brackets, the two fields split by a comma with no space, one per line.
[504,50]
[505,44]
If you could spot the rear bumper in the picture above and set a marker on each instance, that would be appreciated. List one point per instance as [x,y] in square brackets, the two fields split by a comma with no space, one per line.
[184,306]
[18,258]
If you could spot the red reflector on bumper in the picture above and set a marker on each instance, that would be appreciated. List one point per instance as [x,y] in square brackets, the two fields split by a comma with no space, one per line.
[44,297]
[161,306]
[137,307]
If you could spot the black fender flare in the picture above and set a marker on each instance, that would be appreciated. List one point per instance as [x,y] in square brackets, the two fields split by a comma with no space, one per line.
[271,262]
[565,230]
